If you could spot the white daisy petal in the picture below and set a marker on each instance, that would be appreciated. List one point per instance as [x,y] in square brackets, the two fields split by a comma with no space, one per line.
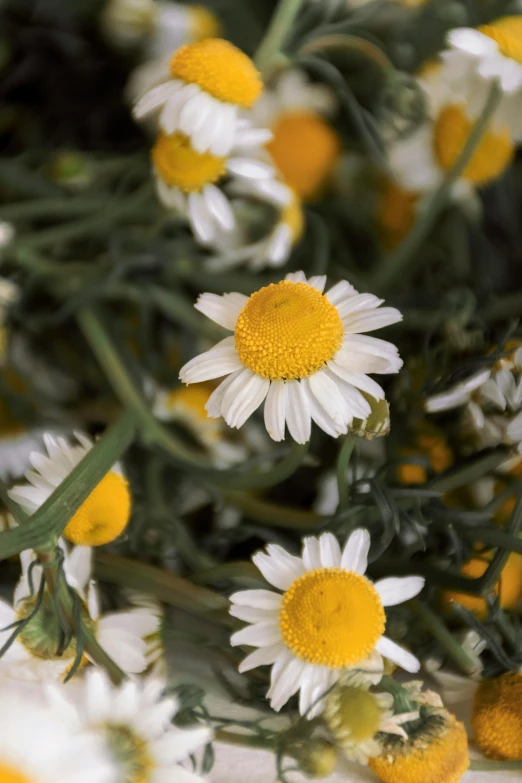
[258,635]
[311,553]
[224,310]
[243,397]
[398,655]
[261,657]
[355,552]
[275,410]
[298,416]
[330,551]
[278,567]
[396,590]
[220,360]
[259,599]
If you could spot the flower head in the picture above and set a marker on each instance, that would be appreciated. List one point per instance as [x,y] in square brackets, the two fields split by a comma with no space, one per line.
[423,159]
[36,746]
[133,722]
[490,53]
[187,180]
[102,516]
[211,81]
[497,716]
[357,717]
[436,752]
[327,617]
[300,351]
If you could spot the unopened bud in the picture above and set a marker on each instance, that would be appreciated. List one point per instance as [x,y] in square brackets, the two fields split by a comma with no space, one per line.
[317,759]
[377,425]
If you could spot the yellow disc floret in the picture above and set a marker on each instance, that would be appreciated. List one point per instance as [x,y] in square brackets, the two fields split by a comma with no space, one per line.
[305,149]
[507,33]
[104,515]
[180,166]
[288,330]
[203,23]
[436,754]
[9,774]
[497,717]
[508,588]
[492,156]
[331,617]
[220,69]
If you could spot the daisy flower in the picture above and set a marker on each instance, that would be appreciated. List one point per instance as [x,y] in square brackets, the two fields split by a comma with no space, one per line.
[356,716]
[211,82]
[422,160]
[273,250]
[490,53]
[187,181]
[36,746]
[133,721]
[327,617]
[186,405]
[436,750]
[298,350]
[497,716]
[102,516]
[33,654]
[304,146]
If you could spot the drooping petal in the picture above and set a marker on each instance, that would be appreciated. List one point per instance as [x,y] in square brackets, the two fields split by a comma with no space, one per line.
[394,652]
[220,360]
[298,416]
[243,397]
[275,410]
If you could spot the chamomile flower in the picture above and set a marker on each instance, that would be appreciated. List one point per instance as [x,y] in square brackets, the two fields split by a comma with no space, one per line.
[327,617]
[102,516]
[497,716]
[435,752]
[211,83]
[34,654]
[186,405]
[298,350]
[357,716]
[423,159]
[490,53]
[133,723]
[36,746]
[304,146]
[187,181]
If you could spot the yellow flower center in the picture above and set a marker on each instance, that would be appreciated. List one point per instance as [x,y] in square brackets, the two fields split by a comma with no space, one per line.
[130,752]
[9,774]
[203,23]
[436,754]
[358,714]
[220,69]
[507,32]
[191,399]
[331,617]
[180,166]
[288,330]
[104,515]
[293,217]
[396,213]
[497,717]
[508,588]
[491,157]
[305,149]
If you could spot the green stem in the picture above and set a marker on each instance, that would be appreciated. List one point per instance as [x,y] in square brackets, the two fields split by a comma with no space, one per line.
[492,537]
[167,587]
[243,740]
[42,529]
[402,701]
[437,628]
[494,766]
[278,29]
[103,219]
[343,461]
[50,207]
[469,473]
[272,514]
[393,268]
